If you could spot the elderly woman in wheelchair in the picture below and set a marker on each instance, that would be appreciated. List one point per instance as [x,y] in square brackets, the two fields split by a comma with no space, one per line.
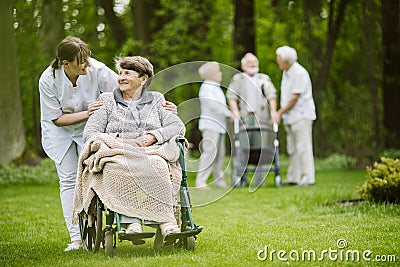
[130,162]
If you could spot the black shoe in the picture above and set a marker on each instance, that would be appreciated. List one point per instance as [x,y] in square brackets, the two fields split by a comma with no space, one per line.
[289,183]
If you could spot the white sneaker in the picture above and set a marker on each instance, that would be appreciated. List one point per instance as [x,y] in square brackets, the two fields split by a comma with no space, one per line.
[73,246]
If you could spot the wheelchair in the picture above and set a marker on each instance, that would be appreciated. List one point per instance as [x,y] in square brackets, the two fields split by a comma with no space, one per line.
[101,228]
[255,158]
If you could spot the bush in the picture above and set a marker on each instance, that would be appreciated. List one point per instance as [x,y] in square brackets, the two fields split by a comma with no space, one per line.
[44,173]
[383,182]
[390,153]
[335,162]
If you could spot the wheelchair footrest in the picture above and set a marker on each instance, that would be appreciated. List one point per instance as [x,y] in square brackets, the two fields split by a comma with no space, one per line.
[191,232]
[136,238]
[171,238]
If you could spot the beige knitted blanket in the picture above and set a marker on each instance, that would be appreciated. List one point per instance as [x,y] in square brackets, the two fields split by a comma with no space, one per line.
[135,181]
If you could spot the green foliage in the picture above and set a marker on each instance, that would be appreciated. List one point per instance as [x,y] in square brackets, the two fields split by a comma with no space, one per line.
[349,109]
[335,162]
[332,162]
[390,153]
[44,173]
[30,63]
[383,182]
[183,38]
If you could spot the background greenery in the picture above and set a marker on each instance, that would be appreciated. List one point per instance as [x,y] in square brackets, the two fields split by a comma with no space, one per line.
[349,99]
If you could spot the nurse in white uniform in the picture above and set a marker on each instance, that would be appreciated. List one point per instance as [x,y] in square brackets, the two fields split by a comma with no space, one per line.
[69,89]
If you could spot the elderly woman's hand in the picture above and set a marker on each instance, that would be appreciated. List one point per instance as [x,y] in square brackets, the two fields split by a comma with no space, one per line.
[171,107]
[146,140]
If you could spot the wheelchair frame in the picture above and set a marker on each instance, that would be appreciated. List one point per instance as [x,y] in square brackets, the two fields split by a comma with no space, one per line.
[256,156]
[94,235]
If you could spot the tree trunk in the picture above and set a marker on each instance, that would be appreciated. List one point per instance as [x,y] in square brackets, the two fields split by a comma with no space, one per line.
[144,23]
[319,85]
[244,28]
[52,28]
[372,71]
[116,25]
[391,71]
[333,32]
[51,32]
[12,135]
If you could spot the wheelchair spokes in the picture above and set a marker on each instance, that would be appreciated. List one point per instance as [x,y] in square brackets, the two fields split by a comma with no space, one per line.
[91,228]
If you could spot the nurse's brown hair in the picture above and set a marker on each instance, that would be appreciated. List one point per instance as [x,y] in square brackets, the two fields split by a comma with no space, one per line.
[69,49]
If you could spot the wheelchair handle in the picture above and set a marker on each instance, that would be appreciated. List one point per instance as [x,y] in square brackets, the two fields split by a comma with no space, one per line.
[180,140]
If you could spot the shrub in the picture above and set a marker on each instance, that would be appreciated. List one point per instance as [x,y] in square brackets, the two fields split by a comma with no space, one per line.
[390,153]
[383,182]
[44,173]
[335,162]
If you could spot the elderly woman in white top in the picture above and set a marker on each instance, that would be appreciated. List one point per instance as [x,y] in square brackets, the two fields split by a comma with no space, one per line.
[68,90]
[212,124]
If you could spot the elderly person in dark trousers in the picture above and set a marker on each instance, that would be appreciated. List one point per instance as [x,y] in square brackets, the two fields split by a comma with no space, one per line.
[298,114]
[212,124]
[252,97]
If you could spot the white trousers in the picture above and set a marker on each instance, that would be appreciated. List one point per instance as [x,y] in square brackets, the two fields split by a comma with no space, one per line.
[67,171]
[300,150]
[212,148]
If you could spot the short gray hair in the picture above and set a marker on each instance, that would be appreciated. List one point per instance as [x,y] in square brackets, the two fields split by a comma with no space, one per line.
[246,57]
[136,63]
[208,69]
[287,53]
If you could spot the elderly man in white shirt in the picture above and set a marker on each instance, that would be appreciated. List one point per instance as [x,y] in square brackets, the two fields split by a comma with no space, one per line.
[252,97]
[298,113]
[212,124]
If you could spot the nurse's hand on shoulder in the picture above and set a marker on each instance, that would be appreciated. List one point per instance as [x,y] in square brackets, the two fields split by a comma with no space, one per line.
[171,107]
[94,106]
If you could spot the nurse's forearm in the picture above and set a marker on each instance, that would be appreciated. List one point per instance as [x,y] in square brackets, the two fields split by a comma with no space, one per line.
[71,119]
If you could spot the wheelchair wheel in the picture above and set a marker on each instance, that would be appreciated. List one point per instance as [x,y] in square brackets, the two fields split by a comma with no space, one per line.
[159,242]
[99,226]
[109,244]
[87,232]
[90,227]
[189,243]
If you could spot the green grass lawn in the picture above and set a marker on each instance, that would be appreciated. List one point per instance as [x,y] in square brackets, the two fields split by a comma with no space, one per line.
[240,228]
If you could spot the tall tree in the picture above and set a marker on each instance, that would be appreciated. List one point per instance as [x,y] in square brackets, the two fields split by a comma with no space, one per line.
[12,136]
[52,28]
[145,22]
[335,20]
[391,70]
[244,28]
[372,67]
[118,28]
[336,17]
[51,32]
